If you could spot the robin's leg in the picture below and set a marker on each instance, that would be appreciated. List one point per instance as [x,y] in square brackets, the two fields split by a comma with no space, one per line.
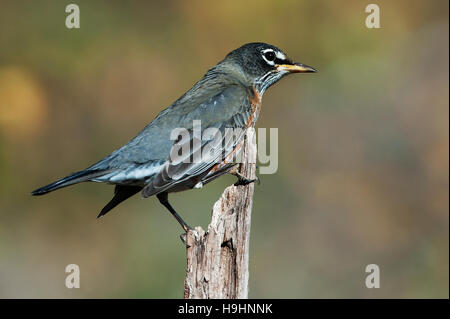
[163,198]
[242,180]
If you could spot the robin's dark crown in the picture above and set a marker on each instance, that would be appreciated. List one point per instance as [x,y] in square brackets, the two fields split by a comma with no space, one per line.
[256,59]
[263,64]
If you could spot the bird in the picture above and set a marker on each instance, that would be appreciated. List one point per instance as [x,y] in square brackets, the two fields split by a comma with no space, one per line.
[228,96]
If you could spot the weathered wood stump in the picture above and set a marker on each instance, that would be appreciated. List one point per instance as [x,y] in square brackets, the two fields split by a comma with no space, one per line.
[217,260]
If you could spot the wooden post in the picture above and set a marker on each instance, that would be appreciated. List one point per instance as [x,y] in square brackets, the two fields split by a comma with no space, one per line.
[217,260]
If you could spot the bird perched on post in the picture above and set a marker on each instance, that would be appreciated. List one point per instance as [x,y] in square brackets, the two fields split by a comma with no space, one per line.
[228,96]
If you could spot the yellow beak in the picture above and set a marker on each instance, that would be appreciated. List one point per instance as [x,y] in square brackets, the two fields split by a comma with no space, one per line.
[296,68]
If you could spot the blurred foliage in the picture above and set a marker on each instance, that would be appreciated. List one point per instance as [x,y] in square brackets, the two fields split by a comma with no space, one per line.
[363,145]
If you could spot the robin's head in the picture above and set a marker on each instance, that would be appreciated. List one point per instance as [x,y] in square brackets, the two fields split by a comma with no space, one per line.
[263,64]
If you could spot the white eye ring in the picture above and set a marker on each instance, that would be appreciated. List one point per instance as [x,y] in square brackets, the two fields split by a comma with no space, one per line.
[279,55]
[265,59]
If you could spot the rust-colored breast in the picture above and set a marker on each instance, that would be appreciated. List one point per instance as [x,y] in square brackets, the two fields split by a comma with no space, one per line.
[255,106]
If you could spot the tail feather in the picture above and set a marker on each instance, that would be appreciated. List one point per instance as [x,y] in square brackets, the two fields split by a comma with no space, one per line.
[121,193]
[74,178]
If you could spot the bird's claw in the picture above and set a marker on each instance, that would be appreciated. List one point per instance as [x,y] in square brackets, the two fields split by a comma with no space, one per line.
[242,180]
[183,238]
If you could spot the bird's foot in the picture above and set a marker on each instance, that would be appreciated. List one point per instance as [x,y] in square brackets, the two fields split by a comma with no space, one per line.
[183,238]
[242,180]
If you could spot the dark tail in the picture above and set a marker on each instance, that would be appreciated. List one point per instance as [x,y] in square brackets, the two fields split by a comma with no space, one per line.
[121,193]
[78,177]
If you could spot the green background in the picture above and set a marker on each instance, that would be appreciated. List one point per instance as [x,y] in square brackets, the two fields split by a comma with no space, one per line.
[363,146]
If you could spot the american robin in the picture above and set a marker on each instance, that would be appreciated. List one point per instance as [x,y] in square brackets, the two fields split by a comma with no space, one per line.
[228,96]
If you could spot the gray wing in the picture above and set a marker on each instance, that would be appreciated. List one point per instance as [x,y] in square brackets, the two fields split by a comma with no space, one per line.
[146,157]
[226,132]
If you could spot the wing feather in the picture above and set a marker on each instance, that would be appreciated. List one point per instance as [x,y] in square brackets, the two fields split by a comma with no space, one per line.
[229,132]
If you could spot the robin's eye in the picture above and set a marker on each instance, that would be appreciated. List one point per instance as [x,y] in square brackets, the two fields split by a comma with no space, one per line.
[270,55]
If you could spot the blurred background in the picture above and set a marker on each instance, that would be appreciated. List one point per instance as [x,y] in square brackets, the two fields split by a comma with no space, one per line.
[363,146]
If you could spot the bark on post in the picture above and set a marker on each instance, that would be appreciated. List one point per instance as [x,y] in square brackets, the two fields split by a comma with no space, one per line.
[217,260]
